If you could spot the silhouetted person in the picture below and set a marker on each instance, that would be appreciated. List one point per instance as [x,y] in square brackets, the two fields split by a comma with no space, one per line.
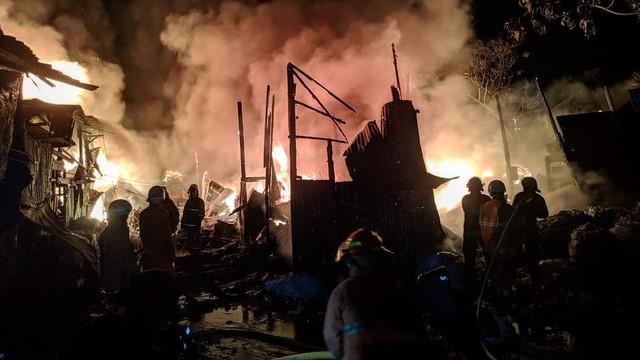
[17,177]
[471,238]
[192,216]
[533,207]
[117,253]
[155,234]
[172,209]
[368,315]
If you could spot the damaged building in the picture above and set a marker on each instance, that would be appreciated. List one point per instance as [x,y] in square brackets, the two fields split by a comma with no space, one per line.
[39,200]
[391,191]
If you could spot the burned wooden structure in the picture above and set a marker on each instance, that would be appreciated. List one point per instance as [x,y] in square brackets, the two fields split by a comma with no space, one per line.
[258,210]
[601,151]
[32,134]
[391,191]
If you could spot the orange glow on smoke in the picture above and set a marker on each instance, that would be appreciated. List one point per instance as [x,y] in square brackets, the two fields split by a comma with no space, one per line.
[449,195]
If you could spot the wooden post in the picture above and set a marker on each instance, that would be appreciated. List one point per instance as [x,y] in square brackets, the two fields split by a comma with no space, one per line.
[395,66]
[78,205]
[607,94]
[268,183]
[505,144]
[332,173]
[293,170]
[552,120]
[559,137]
[243,173]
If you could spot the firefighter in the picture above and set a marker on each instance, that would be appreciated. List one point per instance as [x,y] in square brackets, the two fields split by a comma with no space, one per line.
[155,234]
[117,253]
[368,316]
[503,252]
[192,215]
[471,203]
[534,207]
[172,209]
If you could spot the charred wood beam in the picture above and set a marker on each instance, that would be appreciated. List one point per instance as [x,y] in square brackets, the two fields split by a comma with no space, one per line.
[322,86]
[320,138]
[326,111]
[320,112]
[253,178]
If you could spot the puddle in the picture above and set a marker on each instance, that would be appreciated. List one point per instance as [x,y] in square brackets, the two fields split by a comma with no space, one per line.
[244,333]
[245,318]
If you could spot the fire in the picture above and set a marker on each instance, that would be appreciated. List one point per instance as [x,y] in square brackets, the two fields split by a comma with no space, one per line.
[230,201]
[111,173]
[280,157]
[34,88]
[98,211]
[448,195]
[70,165]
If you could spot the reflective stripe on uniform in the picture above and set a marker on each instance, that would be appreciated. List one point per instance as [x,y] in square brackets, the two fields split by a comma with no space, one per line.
[493,224]
[351,329]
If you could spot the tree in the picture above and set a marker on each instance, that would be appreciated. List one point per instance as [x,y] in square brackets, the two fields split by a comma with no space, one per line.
[491,71]
[570,14]
[491,68]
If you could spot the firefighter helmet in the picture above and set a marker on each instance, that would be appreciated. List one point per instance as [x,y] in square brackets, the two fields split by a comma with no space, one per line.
[475,183]
[496,186]
[119,207]
[529,183]
[156,195]
[360,242]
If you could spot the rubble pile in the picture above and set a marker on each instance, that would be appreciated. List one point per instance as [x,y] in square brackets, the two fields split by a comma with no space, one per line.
[587,301]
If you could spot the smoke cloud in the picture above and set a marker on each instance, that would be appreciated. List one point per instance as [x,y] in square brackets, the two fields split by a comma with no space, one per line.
[172,72]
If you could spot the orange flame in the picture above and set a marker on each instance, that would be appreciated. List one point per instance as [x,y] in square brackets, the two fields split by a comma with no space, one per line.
[282,161]
[449,195]
[34,88]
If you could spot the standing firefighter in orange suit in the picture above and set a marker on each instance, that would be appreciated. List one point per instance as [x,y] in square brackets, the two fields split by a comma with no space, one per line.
[192,215]
[155,234]
[503,252]
[471,238]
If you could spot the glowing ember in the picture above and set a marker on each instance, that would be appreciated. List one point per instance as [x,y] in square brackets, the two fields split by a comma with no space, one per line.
[34,88]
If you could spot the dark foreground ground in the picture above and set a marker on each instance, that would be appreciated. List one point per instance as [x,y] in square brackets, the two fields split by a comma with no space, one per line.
[587,307]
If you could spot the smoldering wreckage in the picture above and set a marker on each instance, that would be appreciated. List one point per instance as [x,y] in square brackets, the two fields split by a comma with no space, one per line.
[275,261]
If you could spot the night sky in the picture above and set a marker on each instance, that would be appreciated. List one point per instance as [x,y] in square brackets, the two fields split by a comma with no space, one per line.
[610,56]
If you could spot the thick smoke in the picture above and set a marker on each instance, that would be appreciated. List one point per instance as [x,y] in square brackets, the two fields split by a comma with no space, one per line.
[171,74]
[186,68]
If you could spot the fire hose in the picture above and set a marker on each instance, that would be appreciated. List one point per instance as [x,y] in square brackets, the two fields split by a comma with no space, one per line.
[490,266]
